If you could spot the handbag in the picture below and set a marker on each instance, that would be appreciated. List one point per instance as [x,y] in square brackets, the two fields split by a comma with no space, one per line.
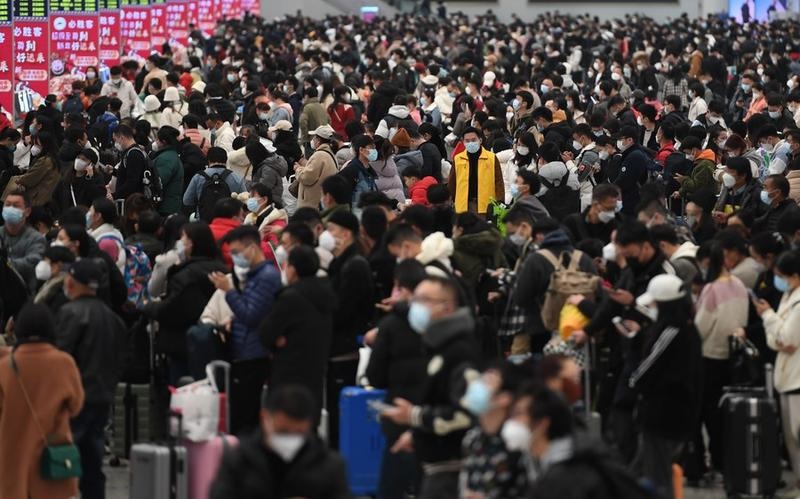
[59,462]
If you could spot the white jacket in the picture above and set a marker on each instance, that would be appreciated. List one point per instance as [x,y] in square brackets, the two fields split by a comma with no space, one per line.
[173,117]
[509,169]
[783,327]
[224,137]
[125,92]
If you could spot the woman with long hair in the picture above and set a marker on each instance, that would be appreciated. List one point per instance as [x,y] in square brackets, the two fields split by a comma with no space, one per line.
[340,111]
[40,180]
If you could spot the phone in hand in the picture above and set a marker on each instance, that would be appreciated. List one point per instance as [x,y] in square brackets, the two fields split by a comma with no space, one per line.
[379,406]
[753,296]
[621,328]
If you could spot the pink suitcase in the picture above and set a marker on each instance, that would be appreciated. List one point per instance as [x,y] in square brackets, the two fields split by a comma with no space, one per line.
[204,459]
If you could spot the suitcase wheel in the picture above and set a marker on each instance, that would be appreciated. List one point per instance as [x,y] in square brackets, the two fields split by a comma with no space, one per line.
[114,462]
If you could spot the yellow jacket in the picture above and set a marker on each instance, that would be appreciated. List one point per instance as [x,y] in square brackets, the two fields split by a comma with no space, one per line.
[490,181]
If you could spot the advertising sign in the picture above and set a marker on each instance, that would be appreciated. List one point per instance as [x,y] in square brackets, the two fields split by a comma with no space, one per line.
[109,43]
[31,54]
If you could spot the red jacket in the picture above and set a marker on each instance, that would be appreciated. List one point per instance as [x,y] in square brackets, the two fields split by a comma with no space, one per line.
[664,152]
[419,191]
[340,116]
[220,228]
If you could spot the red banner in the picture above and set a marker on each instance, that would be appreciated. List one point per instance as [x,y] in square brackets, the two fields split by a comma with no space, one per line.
[109,38]
[73,43]
[207,16]
[6,62]
[135,31]
[178,22]
[158,25]
[31,53]
[191,13]
[251,6]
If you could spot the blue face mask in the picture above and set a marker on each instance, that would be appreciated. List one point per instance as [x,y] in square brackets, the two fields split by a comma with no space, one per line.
[252,204]
[780,283]
[88,220]
[372,155]
[765,197]
[32,129]
[419,317]
[12,215]
[239,260]
[472,147]
[478,397]
[514,190]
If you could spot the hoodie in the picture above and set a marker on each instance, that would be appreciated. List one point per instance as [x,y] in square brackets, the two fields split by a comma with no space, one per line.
[684,261]
[436,247]
[702,175]
[396,114]
[409,158]
[475,253]
[271,173]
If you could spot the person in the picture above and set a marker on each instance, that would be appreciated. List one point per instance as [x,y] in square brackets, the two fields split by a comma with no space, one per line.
[283,458]
[417,185]
[741,193]
[23,244]
[41,391]
[681,254]
[438,424]
[722,311]
[222,133]
[269,169]
[781,331]
[41,178]
[312,117]
[600,219]
[476,176]
[101,222]
[217,161]
[300,342]
[122,89]
[146,230]
[250,304]
[321,165]
[359,173]
[737,258]
[477,248]
[52,271]
[666,380]
[775,204]
[339,111]
[190,124]
[187,292]
[83,182]
[633,169]
[702,171]
[96,337]
[170,169]
[133,163]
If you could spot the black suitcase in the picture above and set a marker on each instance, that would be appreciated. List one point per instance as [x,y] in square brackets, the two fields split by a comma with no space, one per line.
[132,418]
[752,452]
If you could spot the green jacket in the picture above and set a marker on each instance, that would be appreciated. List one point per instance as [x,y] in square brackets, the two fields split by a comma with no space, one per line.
[474,253]
[314,115]
[170,169]
[702,175]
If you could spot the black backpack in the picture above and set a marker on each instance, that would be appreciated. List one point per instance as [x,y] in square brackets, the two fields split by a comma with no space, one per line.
[152,187]
[193,159]
[214,189]
[560,199]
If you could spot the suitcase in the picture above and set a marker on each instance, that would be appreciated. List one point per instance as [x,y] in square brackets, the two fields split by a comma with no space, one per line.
[361,441]
[159,471]
[752,451]
[132,418]
[204,460]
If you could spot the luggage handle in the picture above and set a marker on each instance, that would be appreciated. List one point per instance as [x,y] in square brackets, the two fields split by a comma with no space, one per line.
[226,369]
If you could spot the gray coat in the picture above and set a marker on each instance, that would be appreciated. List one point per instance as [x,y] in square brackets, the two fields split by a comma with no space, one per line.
[25,250]
[388,181]
[271,173]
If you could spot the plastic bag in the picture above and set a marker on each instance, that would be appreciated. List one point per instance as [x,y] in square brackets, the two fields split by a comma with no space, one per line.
[198,403]
[571,319]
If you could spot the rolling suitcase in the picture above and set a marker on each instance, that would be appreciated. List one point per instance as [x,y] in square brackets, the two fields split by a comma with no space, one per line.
[159,471]
[132,421]
[751,430]
[361,441]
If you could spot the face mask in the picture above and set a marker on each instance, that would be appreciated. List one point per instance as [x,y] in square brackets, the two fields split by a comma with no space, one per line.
[774,114]
[618,208]
[745,87]
[286,445]
[263,116]
[728,180]
[780,283]
[118,146]
[252,204]
[690,157]
[155,146]
[791,84]
[765,197]
[327,241]
[649,312]
[603,155]
[91,75]
[477,399]
[473,147]
[640,121]
[514,189]
[241,273]
[43,270]
[516,436]
[598,133]
[640,67]
[231,77]
[517,239]
[180,249]
[576,145]
[36,150]
[544,88]
[596,66]
[372,155]
[621,145]
[32,129]
[281,255]
[767,147]
[610,252]
[691,220]
[81,165]
[419,317]
[509,116]
[515,104]
[12,215]
[606,216]
[523,151]
[240,260]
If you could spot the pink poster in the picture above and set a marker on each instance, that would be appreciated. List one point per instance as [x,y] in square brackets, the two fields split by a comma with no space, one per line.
[109,43]
[135,31]
[158,24]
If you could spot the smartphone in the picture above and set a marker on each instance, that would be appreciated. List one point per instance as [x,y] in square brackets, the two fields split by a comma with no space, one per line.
[624,331]
[752,294]
[379,406]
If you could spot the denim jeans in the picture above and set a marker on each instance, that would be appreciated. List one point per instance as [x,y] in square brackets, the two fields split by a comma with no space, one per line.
[88,434]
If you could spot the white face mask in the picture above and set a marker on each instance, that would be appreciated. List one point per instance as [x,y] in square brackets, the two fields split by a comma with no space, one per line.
[36,150]
[155,146]
[621,145]
[81,165]
[577,145]
[522,150]
[516,436]
[610,252]
[286,445]
[606,216]
[43,270]
[327,241]
[728,180]
[603,155]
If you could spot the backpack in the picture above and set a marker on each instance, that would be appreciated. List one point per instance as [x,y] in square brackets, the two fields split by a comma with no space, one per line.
[214,189]
[560,200]
[153,189]
[102,130]
[564,281]
[193,160]
[137,271]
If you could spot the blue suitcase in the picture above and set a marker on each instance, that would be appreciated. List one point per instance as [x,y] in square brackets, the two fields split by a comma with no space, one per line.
[361,441]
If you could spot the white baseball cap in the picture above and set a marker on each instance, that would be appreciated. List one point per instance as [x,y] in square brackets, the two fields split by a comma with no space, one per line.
[662,288]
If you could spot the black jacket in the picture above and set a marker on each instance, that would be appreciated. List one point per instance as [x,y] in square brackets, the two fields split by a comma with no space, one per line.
[666,380]
[440,425]
[558,133]
[302,314]
[66,156]
[431,161]
[95,337]
[351,277]
[188,292]
[397,362]
[381,101]
[80,191]
[254,471]
[580,229]
[767,221]
[632,174]
[131,172]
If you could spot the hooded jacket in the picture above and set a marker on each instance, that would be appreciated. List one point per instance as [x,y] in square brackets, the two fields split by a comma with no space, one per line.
[397,114]
[170,169]
[419,191]
[388,180]
[271,173]
[474,253]
[302,315]
[410,158]
[702,176]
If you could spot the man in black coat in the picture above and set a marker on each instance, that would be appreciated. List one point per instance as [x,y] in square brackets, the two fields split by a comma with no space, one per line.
[633,169]
[299,328]
[283,458]
[776,193]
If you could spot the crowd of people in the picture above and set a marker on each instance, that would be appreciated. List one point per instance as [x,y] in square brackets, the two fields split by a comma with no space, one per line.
[495,209]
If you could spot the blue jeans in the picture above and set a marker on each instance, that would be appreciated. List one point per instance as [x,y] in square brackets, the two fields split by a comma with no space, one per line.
[88,433]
